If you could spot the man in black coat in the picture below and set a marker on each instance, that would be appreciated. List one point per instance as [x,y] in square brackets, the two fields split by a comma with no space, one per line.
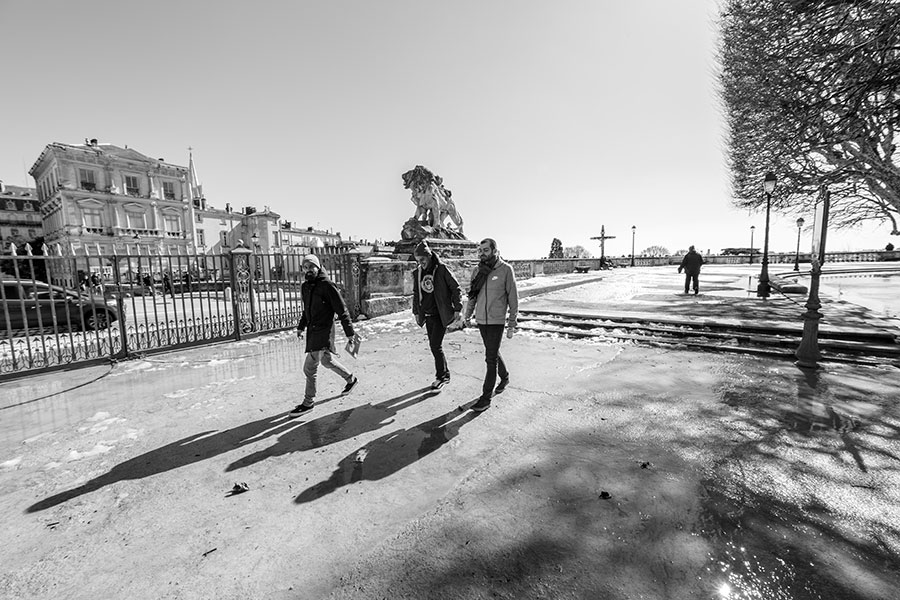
[321,302]
[437,302]
[691,264]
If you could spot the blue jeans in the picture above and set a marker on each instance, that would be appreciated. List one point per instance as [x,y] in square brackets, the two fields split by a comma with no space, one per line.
[311,367]
[492,335]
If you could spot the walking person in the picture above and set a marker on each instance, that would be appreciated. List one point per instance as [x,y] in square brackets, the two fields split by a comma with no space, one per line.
[437,302]
[691,264]
[321,302]
[494,302]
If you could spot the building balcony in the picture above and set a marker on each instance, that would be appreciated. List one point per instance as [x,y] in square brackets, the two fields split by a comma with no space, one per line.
[133,231]
[175,234]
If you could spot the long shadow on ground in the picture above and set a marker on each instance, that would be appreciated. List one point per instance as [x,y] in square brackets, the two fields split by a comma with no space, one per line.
[390,453]
[324,430]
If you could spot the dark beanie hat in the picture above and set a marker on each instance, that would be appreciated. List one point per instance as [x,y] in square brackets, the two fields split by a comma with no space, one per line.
[422,249]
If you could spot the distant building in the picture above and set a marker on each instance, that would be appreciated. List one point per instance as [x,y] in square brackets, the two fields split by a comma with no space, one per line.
[20,216]
[102,200]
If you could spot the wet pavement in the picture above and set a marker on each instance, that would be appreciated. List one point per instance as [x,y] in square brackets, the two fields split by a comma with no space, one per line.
[606,470]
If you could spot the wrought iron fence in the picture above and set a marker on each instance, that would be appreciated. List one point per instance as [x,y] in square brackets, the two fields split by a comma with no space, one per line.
[59,311]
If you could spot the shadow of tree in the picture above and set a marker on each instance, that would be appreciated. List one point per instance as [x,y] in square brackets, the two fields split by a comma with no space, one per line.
[390,453]
[334,427]
[790,493]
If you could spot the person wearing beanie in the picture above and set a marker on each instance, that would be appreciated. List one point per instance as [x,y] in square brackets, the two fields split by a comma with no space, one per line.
[321,302]
[494,301]
[437,302]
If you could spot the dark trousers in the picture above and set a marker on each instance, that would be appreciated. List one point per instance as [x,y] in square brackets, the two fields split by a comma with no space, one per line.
[436,330]
[492,335]
[691,278]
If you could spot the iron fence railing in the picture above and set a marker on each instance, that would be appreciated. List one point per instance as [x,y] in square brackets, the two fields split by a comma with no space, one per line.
[59,311]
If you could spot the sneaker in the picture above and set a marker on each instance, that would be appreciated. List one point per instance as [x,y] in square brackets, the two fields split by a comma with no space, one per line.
[501,386]
[300,409]
[482,405]
[440,382]
[350,385]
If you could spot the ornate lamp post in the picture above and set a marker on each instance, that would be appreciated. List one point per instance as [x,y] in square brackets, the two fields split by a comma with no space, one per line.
[800,222]
[752,231]
[762,290]
[633,229]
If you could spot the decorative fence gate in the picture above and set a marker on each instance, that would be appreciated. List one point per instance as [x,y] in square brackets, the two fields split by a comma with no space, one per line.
[60,311]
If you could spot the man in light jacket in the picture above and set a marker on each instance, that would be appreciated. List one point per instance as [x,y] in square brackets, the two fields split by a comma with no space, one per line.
[492,293]
[437,302]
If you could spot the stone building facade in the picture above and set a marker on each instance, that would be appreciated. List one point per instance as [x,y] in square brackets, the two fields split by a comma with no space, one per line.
[20,216]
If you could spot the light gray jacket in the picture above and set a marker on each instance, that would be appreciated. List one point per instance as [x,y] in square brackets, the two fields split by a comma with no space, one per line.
[498,294]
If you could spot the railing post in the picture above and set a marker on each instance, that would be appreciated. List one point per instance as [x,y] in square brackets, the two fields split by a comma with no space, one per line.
[241,301]
[120,309]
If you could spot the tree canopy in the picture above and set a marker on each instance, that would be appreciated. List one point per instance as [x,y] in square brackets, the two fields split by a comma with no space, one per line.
[811,91]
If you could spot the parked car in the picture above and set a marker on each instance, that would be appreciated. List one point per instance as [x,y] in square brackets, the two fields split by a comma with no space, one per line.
[29,305]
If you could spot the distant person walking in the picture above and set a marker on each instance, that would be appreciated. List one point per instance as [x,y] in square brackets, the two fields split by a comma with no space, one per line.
[691,264]
[321,302]
[492,292]
[437,302]
[167,285]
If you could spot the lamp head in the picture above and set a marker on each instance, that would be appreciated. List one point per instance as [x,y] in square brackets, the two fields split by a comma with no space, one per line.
[752,227]
[800,222]
[633,228]
[769,182]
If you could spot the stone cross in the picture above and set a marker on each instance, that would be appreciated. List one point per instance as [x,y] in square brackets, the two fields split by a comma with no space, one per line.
[603,237]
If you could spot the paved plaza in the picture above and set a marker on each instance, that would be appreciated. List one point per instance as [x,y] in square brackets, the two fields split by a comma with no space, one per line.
[606,470]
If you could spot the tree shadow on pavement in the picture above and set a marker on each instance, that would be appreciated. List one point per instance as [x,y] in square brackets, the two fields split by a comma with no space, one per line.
[390,453]
[334,427]
[783,488]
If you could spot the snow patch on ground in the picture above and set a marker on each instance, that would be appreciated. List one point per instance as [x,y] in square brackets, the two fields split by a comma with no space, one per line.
[100,416]
[99,448]
[178,393]
[11,464]
[102,425]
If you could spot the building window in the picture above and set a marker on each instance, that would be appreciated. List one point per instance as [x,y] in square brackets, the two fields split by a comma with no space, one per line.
[224,235]
[14,232]
[10,205]
[32,234]
[201,238]
[86,179]
[136,220]
[93,217]
[199,217]
[169,190]
[28,206]
[132,187]
[173,223]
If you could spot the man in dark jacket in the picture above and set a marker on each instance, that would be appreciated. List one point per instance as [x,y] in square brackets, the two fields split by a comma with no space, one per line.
[321,302]
[437,302]
[691,264]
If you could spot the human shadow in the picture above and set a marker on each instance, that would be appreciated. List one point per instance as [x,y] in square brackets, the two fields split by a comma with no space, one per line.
[334,427]
[183,452]
[390,453]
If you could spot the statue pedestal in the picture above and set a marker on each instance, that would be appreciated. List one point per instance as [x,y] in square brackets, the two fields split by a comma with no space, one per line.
[462,249]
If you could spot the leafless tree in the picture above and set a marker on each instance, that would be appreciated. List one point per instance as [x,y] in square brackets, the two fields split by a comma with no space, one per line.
[811,91]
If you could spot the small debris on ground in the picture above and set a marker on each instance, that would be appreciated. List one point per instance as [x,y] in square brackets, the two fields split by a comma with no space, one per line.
[238,488]
[208,552]
[605,495]
[646,464]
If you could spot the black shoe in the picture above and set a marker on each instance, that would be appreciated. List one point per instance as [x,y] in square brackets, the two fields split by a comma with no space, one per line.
[482,405]
[350,385]
[501,386]
[300,409]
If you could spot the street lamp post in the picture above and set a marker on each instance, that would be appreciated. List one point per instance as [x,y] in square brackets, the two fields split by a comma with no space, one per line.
[633,229]
[762,290]
[797,255]
[752,231]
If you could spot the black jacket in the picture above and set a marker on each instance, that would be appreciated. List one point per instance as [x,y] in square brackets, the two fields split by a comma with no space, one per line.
[691,263]
[321,302]
[447,295]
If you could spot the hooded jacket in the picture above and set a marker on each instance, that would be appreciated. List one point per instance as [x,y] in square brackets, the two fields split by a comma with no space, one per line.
[498,293]
[447,295]
[321,302]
